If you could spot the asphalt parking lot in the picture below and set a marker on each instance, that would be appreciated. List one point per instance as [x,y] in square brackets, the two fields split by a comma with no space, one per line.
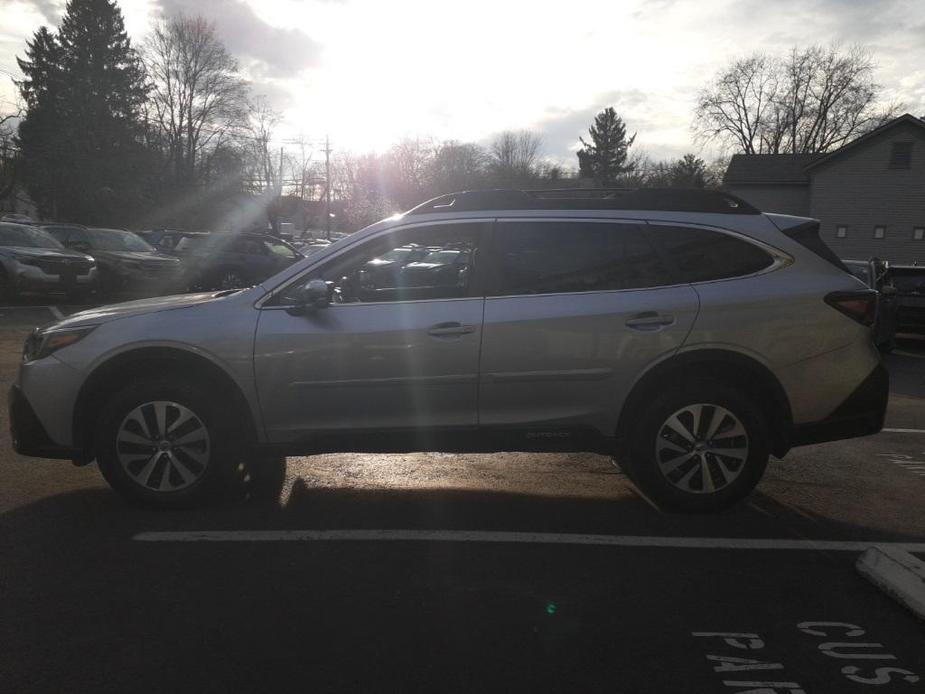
[462,573]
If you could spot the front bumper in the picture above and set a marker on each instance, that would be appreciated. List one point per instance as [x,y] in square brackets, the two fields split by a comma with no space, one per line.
[27,433]
[31,279]
[861,414]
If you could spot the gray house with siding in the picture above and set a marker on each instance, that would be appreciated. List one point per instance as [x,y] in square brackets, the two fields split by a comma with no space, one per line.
[869,195]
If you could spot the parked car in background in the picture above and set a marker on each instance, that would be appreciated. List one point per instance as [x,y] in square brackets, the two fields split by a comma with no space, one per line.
[172,241]
[443,267]
[384,271]
[308,249]
[875,274]
[228,260]
[32,261]
[127,263]
[909,281]
[17,218]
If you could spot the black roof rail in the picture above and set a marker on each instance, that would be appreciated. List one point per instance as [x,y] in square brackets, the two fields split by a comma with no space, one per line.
[662,199]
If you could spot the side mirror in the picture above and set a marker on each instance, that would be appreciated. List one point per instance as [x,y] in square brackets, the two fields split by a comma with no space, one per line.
[315,294]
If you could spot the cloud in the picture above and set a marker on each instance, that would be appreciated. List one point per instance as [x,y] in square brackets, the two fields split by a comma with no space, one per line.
[643,113]
[283,51]
[51,10]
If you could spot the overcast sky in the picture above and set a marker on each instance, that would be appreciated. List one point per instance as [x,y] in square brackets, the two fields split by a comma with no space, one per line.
[369,72]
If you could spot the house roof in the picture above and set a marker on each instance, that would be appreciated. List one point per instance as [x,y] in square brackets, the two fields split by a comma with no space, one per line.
[769,168]
[906,118]
[745,169]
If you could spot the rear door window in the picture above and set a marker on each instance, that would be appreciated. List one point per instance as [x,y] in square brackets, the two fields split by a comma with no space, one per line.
[701,255]
[554,257]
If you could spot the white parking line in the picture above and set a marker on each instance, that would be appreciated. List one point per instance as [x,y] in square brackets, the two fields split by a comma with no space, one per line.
[905,431]
[384,535]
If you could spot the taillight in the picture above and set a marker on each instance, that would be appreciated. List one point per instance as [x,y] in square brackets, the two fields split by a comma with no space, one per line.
[860,305]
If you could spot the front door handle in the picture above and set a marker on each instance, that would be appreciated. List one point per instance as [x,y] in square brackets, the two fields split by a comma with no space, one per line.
[649,320]
[450,329]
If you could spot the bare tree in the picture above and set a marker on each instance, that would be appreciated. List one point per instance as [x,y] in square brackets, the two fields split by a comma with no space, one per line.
[261,162]
[456,166]
[514,156]
[814,99]
[404,171]
[197,94]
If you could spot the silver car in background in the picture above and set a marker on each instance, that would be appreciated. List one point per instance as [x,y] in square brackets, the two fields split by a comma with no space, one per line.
[682,332]
[32,261]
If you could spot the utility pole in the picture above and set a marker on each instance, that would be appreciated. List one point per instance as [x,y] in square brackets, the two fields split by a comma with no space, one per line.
[327,188]
[279,199]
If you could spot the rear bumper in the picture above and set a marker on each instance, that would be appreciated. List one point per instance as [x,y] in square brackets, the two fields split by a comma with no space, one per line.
[27,433]
[861,414]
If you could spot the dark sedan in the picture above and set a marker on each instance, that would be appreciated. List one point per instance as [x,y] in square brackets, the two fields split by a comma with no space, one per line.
[126,262]
[229,260]
[877,274]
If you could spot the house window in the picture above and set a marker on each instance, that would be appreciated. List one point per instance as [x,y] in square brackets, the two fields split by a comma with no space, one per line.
[901,155]
[918,233]
[841,232]
[879,232]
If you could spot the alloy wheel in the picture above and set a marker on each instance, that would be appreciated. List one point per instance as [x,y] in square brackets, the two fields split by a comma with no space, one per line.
[701,448]
[163,446]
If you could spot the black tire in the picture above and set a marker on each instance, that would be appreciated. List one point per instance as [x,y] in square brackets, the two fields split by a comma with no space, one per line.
[652,432]
[214,475]
[260,478]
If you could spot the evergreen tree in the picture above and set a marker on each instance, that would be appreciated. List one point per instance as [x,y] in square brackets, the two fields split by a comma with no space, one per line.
[690,171]
[81,137]
[605,157]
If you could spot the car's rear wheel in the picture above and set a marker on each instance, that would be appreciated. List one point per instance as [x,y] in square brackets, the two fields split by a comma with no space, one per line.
[165,443]
[700,447]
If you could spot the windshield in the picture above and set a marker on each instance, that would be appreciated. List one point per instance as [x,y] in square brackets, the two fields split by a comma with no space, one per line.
[118,240]
[280,249]
[909,281]
[26,237]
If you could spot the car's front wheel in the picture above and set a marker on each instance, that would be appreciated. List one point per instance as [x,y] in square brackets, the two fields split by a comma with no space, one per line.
[700,447]
[165,443]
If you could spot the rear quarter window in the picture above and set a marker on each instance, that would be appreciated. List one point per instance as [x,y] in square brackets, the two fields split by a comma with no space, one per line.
[701,255]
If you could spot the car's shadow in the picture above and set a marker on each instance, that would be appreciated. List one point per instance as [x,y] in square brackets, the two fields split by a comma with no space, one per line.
[88,609]
[95,515]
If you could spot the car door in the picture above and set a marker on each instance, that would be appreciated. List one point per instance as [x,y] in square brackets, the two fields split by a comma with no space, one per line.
[383,356]
[577,309]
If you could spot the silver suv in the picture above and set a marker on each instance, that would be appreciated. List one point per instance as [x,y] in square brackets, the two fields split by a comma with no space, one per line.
[683,332]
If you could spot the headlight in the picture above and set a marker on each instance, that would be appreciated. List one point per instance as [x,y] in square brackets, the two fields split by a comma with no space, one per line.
[42,343]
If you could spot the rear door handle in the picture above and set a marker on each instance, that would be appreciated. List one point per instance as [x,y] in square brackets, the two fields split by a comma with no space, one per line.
[649,320]
[450,329]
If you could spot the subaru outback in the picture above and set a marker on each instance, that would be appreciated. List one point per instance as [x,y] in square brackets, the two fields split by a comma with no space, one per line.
[684,333]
